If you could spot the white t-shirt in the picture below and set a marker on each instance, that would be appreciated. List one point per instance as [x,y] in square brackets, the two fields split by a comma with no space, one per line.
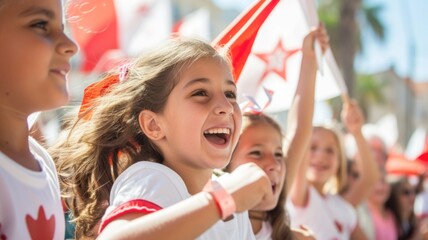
[265,232]
[328,217]
[30,203]
[147,187]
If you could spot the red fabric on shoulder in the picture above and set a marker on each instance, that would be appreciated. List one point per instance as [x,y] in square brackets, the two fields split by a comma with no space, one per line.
[133,206]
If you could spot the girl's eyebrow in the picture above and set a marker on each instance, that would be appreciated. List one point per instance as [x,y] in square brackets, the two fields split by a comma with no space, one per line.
[206,80]
[194,81]
[35,10]
[231,82]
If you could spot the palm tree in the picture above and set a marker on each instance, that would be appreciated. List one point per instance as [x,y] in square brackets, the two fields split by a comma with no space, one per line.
[341,22]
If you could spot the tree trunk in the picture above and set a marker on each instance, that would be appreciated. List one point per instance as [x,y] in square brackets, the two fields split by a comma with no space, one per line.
[348,42]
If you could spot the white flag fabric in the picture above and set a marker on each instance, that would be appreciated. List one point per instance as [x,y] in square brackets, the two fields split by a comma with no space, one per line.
[275,32]
[418,143]
[143,24]
[195,24]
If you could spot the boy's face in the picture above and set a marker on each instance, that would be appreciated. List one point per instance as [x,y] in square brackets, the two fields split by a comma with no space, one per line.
[35,55]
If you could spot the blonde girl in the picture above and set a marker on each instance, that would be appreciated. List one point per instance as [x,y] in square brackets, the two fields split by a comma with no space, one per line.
[137,166]
[314,197]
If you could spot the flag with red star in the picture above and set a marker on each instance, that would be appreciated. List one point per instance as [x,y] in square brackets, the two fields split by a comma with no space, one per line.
[265,46]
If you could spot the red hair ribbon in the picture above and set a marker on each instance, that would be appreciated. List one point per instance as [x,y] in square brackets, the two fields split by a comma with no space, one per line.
[251,106]
[98,89]
[94,91]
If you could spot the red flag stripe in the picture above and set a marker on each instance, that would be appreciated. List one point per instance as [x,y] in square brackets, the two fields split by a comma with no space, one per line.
[236,25]
[242,34]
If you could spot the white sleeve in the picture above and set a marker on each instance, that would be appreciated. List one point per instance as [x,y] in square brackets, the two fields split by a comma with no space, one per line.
[151,182]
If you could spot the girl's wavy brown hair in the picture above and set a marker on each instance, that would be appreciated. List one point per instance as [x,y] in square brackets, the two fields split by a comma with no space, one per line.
[92,153]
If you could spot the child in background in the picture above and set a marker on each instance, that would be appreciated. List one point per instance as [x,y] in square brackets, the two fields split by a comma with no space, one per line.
[35,55]
[382,219]
[315,191]
[140,162]
[261,143]
[400,203]
[375,220]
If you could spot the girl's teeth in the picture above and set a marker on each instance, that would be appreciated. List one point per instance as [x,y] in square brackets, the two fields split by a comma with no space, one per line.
[217,130]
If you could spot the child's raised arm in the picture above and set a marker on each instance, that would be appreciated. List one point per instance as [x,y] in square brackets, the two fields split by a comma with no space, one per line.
[299,125]
[188,219]
[353,119]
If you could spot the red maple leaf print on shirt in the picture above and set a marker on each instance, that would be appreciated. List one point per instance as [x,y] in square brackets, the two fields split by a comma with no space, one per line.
[41,228]
[338,226]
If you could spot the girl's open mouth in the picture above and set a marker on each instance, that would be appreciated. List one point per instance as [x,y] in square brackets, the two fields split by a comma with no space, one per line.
[218,136]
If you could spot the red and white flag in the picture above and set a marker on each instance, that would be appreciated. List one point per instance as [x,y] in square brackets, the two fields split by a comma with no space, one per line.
[418,143]
[195,24]
[265,45]
[130,26]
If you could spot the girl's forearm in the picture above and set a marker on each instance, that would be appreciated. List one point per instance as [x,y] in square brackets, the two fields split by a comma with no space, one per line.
[185,220]
[299,129]
[369,172]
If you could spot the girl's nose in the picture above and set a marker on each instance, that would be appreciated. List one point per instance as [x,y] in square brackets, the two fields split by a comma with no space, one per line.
[223,106]
[272,163]
[67,46]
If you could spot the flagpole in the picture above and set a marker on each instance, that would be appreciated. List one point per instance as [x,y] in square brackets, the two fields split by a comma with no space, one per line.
[345,98]
[312,20]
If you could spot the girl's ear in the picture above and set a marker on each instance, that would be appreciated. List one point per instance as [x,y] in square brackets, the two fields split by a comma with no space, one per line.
[149,124]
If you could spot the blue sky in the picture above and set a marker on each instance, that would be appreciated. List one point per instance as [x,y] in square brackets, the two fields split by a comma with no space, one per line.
[405,23]
[236,4]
